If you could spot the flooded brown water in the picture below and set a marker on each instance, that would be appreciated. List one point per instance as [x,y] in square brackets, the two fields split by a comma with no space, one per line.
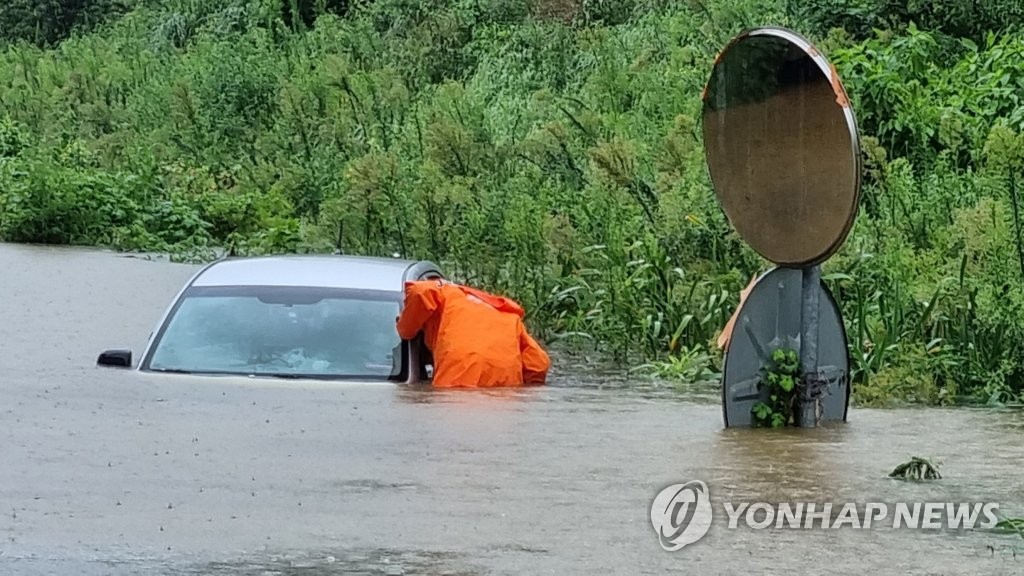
[112,472]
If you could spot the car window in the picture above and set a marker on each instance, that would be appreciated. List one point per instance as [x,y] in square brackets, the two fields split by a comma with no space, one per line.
[282,331]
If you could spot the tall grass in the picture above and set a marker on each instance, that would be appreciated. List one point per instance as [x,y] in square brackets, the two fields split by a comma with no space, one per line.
[547,149]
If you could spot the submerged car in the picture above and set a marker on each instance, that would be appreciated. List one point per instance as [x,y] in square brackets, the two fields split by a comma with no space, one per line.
[316,317]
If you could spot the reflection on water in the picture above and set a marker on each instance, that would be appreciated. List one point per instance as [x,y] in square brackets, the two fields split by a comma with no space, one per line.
[111,472]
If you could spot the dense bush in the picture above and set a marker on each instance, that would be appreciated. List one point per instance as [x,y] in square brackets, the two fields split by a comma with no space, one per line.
[972,19]
[47,22]
[547,148]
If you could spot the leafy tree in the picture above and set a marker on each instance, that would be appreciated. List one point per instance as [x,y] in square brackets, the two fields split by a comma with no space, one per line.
[301,14]
[47,22]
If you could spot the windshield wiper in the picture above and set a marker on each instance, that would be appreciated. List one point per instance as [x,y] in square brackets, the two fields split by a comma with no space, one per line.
[285,376]
[172,370]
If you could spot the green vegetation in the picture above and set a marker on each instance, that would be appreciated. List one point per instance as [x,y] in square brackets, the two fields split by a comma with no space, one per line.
[546,148]
[916,469]
[1011,525]
[781,378]
[687,366]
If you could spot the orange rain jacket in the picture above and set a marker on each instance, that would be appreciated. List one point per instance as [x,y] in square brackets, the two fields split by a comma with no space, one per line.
[478,339]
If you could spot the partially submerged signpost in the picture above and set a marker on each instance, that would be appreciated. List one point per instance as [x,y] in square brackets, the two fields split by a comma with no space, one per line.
[783,153]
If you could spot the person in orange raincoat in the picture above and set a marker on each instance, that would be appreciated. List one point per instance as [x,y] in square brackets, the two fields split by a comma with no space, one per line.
[478,340]
[726,335]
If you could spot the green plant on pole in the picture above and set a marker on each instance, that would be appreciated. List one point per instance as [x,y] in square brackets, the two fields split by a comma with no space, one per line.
[781,379]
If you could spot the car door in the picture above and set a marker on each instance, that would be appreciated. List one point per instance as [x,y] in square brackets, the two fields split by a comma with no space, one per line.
[423,357]
[419,359]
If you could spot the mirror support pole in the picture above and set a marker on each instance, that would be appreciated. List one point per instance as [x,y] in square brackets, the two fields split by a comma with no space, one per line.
[808,411]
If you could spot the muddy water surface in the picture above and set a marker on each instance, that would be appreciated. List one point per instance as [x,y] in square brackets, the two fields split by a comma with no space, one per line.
[112,472]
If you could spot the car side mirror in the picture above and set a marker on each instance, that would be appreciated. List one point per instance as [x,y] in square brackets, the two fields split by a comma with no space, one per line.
[115,358]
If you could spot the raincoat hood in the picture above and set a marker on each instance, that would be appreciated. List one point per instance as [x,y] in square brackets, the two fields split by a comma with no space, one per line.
[500,303]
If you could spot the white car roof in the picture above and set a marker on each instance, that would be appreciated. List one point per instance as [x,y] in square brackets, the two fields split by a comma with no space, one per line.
[324,271]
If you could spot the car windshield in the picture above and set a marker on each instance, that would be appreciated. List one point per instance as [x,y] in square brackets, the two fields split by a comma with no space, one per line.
[282,331]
